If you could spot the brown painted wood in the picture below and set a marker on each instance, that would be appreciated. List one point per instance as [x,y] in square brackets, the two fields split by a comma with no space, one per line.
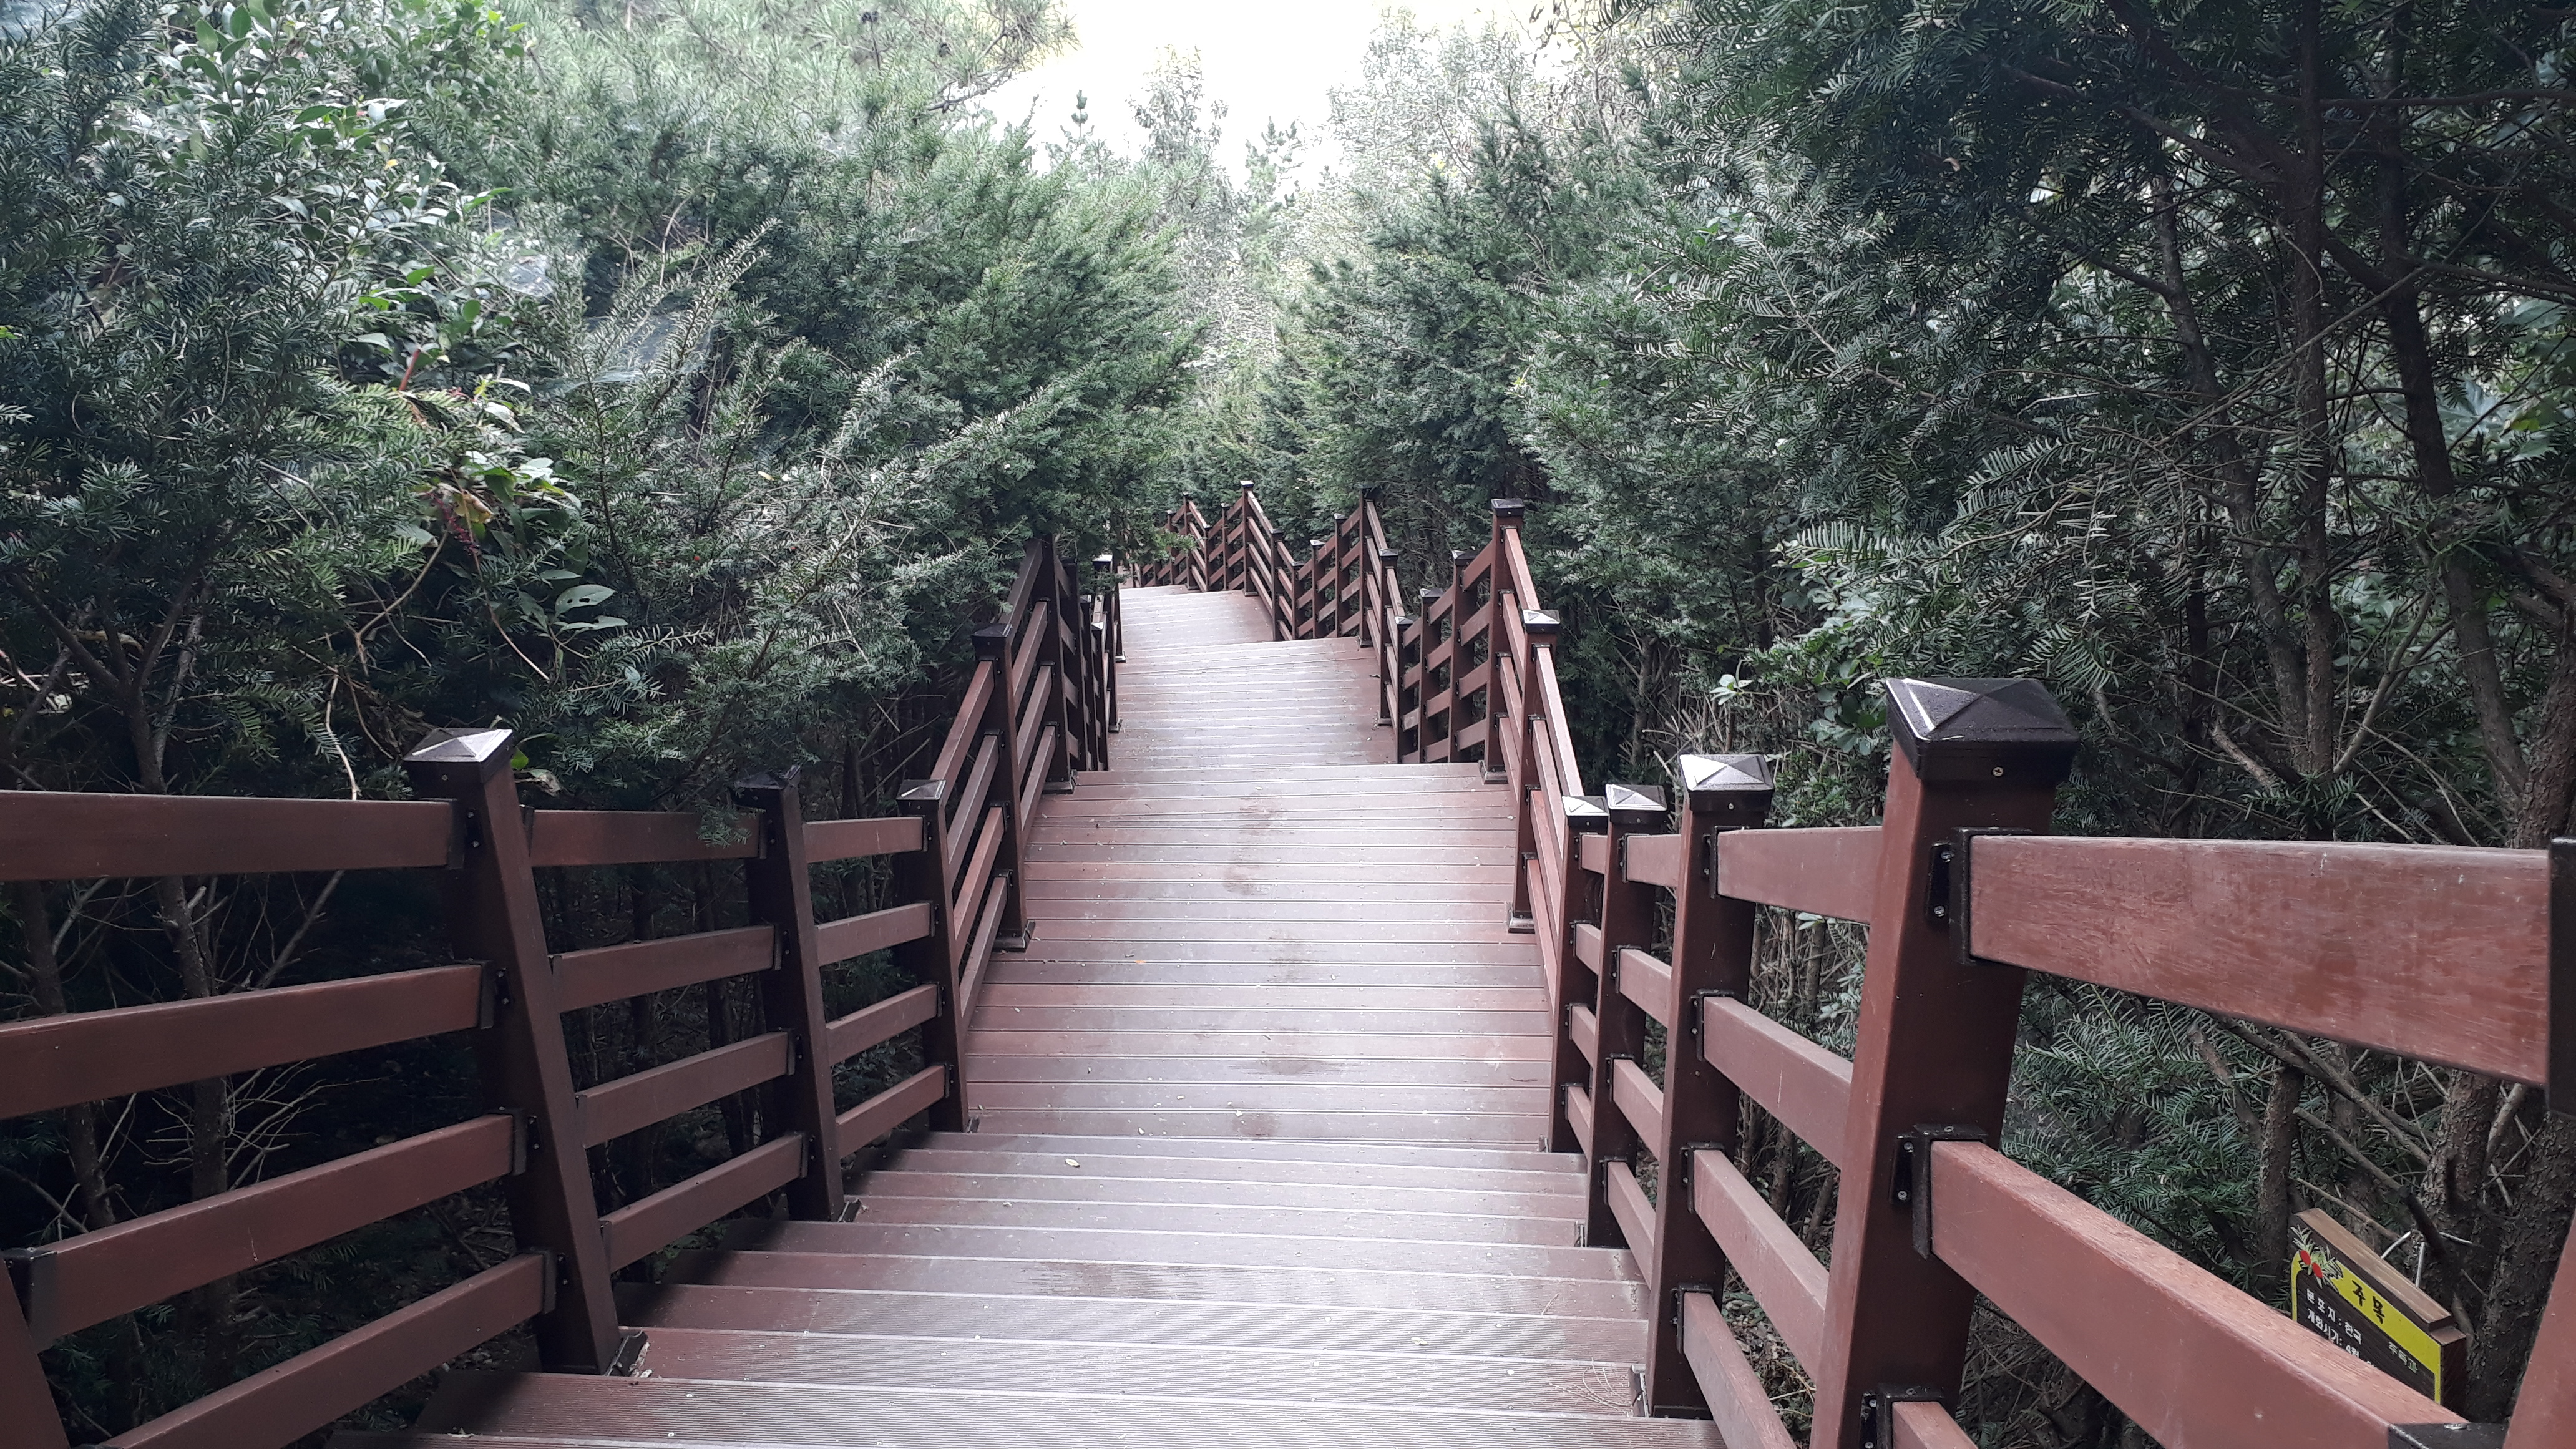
[1628,1206]
[2227,1372]
[633,837]
[869,1026]
[1143,1234]
[1639,1099]
[55,1061]
[1656,860]
[1926,1425]
[308,1391]
[854,936]
[79,1281]
[1825,872]
[891,1108]
[1737,1401]
[1784,1277]
[612,973]
[2544,1409]
[650,1224]
[1647,983]
[639,1100]
[492,916]
[49,835]
[1712,952]
[2434,952]
[26,1403]
[1802,1084]
[846,839]
[1935,1046]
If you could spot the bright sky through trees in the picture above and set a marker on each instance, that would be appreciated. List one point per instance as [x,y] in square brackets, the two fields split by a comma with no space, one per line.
[1266,62]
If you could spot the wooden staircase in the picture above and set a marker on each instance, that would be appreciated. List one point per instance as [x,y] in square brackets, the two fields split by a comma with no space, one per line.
[1255,1136]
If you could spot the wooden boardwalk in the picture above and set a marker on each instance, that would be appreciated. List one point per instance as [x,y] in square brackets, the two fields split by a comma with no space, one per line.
[1255,1149]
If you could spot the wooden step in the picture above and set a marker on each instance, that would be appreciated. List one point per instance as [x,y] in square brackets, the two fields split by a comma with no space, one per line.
[1060,1319]
[1156,1236]
[551,1409]
[1323,1287]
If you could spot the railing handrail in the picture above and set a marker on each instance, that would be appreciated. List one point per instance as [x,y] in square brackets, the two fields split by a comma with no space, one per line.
[537,1127]
[2441,954]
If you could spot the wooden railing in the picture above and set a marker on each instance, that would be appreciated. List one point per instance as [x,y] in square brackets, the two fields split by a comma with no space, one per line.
[1038,707]
[2435,953]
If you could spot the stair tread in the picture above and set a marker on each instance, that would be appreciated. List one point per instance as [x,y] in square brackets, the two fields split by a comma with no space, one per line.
[601,1410]
[1395,1329]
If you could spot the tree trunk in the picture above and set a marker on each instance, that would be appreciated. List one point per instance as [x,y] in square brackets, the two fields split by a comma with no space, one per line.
[2280,1141]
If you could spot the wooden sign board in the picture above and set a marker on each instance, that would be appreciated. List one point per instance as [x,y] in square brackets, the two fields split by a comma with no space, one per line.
[2352,1298]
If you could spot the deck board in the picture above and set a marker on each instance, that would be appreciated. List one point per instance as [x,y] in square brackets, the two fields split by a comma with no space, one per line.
[1255,1137]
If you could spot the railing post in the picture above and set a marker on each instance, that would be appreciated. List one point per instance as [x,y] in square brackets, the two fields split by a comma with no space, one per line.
[1104,572]
[1059,707]
[492,916]
[1625,916]
[781,894]
[25,1398]
[1520,761]
[1712,956]
[1001,718]
[1584,815]
[922,875]
[1499,587]
[1936,1033]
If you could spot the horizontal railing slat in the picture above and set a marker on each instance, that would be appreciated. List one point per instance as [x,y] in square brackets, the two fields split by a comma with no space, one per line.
[869,1026]
[633,837]
[988,927]
[1636,1216]
[1594,854]
[1587,938]
[55,1061]
[853,936]
[1656,860]
[1638,1098]
[1738,1404]
[1784,1277]
[1584,1030]
[79,1281]
[2435,952]
[979,781]
[637,1101]
[638,968]
[1805,1086]
[1830,872]
[1647,981]
[2228,1372]
[849,839]
[1578,1115]
[67,835]
[648,1225]
[1924,1424]
[891,1108]
[306,1392]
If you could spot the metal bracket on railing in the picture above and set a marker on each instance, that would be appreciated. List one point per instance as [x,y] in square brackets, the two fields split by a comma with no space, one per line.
[1911,1184]
[2446,1436]
[1681,1289]
[1878,1411]
[1680,1172]
[1697,1031]
[492,997]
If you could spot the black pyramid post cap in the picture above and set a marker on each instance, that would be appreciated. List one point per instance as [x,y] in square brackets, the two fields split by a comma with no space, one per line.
[1387,555]
[1633,807]
[1105,562]
[1510,507]
[1246,485]
[1586,812]
[478,753]
[1981,729]
[1727,790]
[922,792]
[1372,490]
[990,640]
[1541,621]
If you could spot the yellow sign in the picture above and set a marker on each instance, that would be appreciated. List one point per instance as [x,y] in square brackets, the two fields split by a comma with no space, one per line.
[2347,1295]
